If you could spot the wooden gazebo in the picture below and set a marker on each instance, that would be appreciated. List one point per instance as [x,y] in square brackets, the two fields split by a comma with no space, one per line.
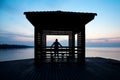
[60,23]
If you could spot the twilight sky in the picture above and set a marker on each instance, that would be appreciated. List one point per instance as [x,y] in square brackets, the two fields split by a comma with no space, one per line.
[104,29]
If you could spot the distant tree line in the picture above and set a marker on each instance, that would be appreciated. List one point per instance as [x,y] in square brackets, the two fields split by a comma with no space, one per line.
[11,46]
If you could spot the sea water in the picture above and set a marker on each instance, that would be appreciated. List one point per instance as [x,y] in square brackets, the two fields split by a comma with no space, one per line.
[28,53]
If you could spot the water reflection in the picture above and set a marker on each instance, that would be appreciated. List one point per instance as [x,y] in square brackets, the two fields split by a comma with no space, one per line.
[27,53]
[113,53]
[16,54]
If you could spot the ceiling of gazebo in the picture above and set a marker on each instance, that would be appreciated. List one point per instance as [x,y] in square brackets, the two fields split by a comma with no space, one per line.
[59,20]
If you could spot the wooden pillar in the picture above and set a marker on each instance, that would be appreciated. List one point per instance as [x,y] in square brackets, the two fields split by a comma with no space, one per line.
[70,39]
[38,45]
[43,40]
[81,46]
[78,46]
[44,44]
[72,43]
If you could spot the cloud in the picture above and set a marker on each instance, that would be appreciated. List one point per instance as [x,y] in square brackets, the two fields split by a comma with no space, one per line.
[104,40]
[23,39]
[14,38]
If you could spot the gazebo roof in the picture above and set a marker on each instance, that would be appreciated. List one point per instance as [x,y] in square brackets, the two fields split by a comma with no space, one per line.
[59,20]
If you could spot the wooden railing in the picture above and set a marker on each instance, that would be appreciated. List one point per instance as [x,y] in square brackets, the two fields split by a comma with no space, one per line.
[65,53]
[61,50]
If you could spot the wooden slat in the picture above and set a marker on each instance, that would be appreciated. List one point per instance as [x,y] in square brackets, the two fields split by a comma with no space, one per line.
[95,69]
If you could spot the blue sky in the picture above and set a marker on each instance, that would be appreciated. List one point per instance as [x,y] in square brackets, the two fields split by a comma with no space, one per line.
[16,29]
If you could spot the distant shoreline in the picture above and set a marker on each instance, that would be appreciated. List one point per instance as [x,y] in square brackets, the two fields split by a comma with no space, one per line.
[13,46]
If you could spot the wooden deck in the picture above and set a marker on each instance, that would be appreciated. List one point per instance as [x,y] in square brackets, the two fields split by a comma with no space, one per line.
[95,69]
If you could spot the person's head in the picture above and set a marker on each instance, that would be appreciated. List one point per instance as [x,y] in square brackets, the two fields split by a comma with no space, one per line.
[56,40]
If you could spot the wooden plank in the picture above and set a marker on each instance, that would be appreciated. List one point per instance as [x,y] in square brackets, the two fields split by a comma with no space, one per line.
[95,69]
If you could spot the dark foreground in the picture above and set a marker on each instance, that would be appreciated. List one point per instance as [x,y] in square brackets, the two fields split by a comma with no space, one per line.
[95,69]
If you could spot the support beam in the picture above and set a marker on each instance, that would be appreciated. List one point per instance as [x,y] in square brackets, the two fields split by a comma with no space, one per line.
[38,45]
[72,44]
[78,46]
[43,45]
[43,40]
[81,46]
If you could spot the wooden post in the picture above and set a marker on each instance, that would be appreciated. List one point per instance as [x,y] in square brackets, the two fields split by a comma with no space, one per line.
[73,45]
[43,44]
[38,45]
[81,46]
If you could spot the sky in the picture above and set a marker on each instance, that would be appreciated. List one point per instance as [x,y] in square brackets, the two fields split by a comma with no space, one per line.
[103,30]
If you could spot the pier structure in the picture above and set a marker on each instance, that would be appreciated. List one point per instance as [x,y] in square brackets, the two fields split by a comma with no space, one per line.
[59,23]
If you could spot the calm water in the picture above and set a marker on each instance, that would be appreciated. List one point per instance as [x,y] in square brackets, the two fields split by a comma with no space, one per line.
[27,53]
[16,54]
[113,53]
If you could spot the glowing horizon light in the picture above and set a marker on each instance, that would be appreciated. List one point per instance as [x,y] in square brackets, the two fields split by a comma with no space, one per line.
[63,39]
[51,38]
[24,39]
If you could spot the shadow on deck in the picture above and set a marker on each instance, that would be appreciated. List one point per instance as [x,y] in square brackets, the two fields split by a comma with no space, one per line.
[94,69]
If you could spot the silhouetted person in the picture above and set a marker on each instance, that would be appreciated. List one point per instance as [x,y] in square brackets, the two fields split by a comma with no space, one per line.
[56,45]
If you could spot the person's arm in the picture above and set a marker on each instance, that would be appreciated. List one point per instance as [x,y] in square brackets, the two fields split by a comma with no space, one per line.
[52,45]
[60,45]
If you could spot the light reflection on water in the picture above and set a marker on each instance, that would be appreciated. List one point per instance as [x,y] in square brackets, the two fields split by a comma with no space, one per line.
[27,53]
[16,54]
[113,53]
